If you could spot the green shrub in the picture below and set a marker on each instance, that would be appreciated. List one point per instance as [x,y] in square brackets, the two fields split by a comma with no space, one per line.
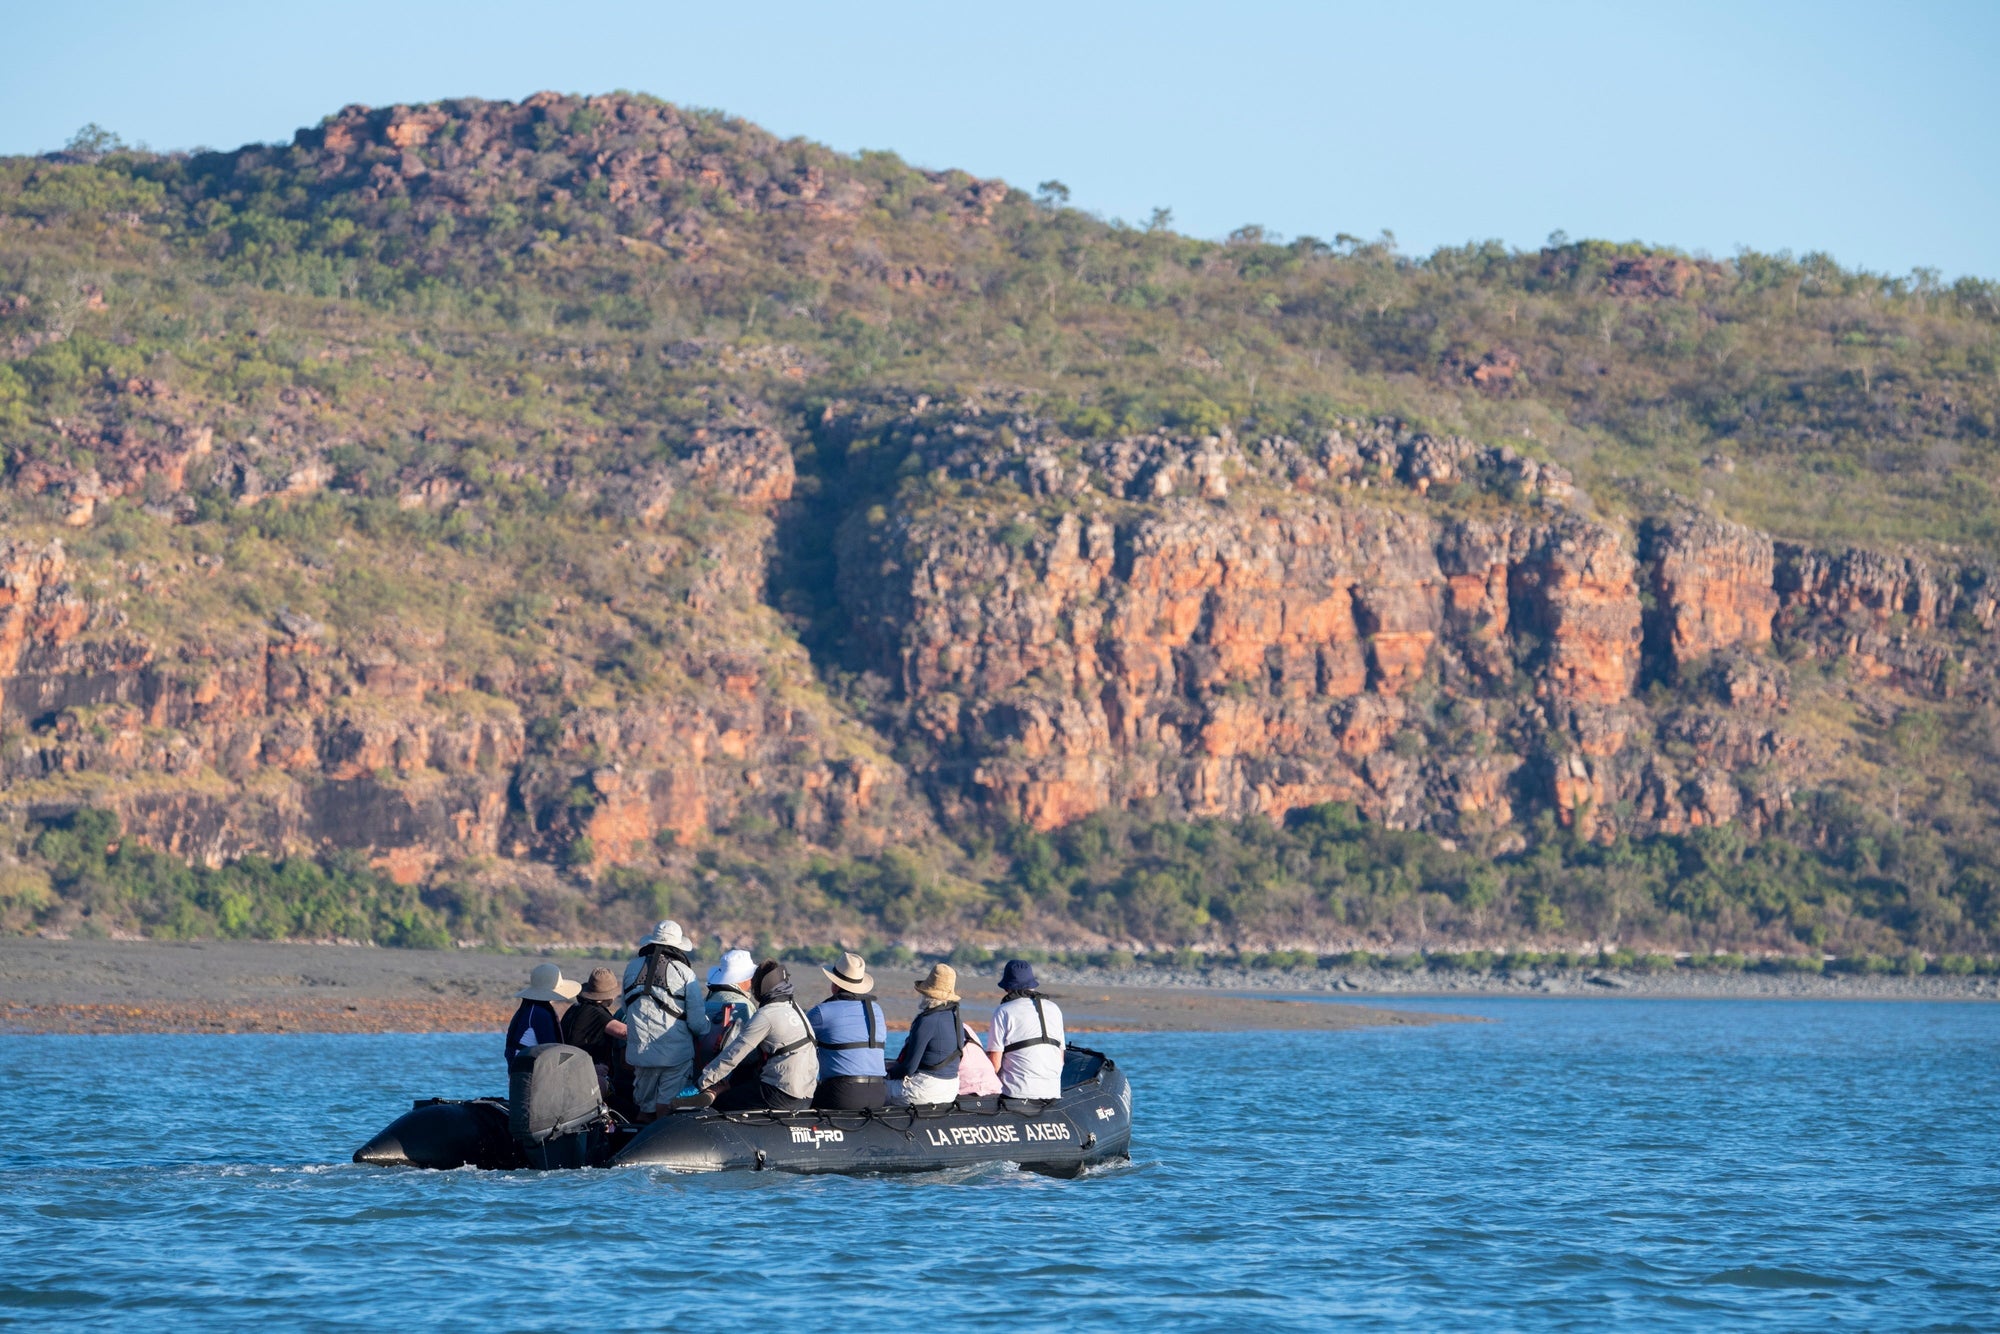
[969,957]
[119,883]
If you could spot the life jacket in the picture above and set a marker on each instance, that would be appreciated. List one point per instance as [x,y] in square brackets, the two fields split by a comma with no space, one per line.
[1043,1041]
[776,1052]
[661,1031]
[852,1037]
[790,1066]
[952,1058]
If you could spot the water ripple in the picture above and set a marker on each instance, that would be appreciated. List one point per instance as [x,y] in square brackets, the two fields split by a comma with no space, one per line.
[1575,1165]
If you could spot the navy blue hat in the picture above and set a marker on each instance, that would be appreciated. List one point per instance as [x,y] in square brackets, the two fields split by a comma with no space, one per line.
[1018,976]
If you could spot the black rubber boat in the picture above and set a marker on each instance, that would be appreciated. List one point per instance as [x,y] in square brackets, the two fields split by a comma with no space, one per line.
[1090,1123]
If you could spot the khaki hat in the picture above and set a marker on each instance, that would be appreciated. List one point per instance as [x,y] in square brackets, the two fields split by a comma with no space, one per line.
[941,984]
[853,975]
[603,985]
[547,983]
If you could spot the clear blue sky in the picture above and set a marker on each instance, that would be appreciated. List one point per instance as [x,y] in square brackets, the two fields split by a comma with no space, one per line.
[1868,131]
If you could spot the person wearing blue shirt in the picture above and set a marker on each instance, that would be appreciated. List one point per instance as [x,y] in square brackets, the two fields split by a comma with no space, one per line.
[852,1037]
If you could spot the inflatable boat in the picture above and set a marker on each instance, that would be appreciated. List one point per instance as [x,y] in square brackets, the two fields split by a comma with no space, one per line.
[552,1118]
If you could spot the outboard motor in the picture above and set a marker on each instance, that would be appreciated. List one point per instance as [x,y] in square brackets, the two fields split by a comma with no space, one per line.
[554,1109]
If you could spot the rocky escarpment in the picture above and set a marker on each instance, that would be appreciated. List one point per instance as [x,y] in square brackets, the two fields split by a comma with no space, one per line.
[291,736]
[1199,628]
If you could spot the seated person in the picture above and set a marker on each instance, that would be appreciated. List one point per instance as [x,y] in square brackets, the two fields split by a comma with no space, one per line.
[534,1023]
[1025,1038]
[852,1037]
[588,1024]
[976,1076]
[783,1036]
[925,1071]
[729,1005]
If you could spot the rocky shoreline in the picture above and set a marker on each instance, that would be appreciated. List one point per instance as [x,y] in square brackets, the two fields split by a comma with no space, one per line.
[1593,982]
[107,987]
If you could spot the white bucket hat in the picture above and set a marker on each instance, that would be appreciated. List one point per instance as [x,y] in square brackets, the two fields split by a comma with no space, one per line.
[547,983]
[669,933]
[736,966]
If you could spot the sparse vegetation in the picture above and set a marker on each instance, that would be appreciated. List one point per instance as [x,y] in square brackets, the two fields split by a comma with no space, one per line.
[483,360]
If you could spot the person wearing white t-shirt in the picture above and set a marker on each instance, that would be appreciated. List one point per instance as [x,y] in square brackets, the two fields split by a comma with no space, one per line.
[1025,1037]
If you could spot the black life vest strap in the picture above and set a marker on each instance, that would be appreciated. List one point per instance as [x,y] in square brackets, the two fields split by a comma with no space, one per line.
[660,996]
[956,1051]
[875,1040]
[797,1045]
[1043,1041]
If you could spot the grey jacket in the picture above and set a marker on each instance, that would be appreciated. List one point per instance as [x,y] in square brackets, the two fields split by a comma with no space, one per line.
[773,1029]
[662,1023]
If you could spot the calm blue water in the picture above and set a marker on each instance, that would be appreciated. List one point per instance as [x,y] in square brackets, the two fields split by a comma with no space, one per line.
[1573,1164]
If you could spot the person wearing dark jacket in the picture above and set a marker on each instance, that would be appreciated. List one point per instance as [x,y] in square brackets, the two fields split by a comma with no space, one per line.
[589,1024]
[534,1023]
[852,1035]
[925,1071]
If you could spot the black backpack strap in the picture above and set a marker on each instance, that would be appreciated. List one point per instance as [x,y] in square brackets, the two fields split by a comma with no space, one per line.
[957,1050]
[874,1039]
[796,1045]
[1043,1041]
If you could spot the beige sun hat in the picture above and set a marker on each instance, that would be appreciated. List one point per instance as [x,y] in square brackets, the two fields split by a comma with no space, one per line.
[669,933]
[852,975]
[547,983]
[941,984]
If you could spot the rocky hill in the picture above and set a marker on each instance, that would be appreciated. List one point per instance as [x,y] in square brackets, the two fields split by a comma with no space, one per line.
[516,520]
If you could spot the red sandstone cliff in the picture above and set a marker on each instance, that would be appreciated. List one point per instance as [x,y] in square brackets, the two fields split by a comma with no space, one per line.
[1286,635]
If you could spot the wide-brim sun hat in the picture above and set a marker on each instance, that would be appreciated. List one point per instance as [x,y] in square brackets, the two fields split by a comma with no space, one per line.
[736,968]
[941,984]
[547,983]
[852,975]
[603,986]
[669,933]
